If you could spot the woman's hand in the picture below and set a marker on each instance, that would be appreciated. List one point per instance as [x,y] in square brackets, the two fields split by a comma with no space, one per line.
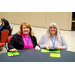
[57,47]
[47,47]
[37,48]
[13,50]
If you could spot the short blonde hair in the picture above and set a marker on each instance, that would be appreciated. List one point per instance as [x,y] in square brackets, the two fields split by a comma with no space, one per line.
[58,32]
[28,26]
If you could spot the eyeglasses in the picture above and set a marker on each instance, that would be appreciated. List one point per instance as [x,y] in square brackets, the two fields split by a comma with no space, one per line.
[53,28]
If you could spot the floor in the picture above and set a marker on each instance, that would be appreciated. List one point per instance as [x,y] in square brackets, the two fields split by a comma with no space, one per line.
[68,35]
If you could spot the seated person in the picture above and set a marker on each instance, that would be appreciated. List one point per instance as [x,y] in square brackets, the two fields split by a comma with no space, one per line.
[1,22]
[5,25]
[23,39]
[52,39]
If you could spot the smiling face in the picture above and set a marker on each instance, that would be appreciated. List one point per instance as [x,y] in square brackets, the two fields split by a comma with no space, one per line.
[25,30]
[52,30]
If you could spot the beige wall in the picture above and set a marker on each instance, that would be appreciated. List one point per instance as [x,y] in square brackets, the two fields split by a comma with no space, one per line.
[40,19]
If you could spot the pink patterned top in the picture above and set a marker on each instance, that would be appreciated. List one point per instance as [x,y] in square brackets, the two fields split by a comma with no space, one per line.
[27,42]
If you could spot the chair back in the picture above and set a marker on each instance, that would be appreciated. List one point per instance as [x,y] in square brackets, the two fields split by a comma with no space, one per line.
[11,30]
[9,38]
[4,35]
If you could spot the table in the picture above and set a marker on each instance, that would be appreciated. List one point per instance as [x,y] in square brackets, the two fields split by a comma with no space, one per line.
[30,55]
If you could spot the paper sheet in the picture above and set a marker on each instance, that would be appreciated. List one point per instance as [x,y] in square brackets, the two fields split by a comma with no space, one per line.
[13,53]
[55,55]
[48,51]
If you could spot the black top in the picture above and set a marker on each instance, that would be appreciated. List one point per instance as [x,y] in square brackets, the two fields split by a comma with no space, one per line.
[17,42]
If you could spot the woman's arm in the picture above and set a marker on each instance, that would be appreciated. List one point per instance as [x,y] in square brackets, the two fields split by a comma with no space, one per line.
[36,46]
[35,41]
[12,42]
[63,42]
[43,43]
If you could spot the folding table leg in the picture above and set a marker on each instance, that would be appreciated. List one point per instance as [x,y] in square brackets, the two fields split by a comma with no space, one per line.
[6,46]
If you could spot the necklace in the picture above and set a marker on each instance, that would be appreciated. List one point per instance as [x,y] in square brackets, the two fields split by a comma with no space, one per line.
[52,40]
[27,41]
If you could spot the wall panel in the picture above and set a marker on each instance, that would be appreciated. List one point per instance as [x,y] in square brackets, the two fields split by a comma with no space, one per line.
[33,18]
[50,17]
[62,21]
[40,19]
[26,17]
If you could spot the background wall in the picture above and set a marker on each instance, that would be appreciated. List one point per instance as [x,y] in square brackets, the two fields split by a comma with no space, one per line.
[40,19]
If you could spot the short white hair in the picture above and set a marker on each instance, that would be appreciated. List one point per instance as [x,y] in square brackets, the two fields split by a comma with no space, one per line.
[58,32]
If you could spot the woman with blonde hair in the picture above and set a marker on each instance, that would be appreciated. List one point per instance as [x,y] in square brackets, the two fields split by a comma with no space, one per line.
[23,39]
[53,39]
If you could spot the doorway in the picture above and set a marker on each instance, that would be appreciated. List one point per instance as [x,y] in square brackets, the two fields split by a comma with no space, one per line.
[73,21]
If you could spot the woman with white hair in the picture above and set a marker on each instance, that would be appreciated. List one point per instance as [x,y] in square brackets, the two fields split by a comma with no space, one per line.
[52,39]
